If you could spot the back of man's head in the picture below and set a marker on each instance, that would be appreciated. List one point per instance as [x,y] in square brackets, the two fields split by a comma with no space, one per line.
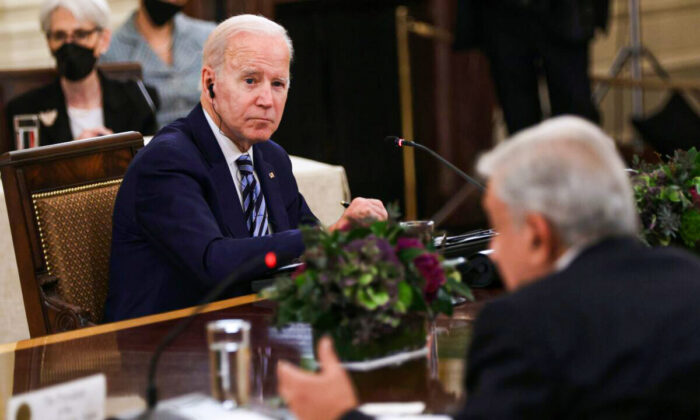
[569,171]
[214,50]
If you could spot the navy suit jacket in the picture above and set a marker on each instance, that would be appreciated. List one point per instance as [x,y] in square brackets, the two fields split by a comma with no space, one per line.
[178,224]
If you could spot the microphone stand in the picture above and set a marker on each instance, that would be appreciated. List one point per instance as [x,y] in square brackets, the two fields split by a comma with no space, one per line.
[401,142]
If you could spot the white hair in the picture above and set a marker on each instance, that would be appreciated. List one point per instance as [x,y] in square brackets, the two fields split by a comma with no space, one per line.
[217,43]
[95,11]
[568,170]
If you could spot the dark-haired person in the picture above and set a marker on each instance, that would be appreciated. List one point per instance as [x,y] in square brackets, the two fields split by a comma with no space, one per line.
[168,44]
[82,102]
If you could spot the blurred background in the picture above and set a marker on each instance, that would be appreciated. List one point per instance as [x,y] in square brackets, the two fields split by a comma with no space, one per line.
[346,94]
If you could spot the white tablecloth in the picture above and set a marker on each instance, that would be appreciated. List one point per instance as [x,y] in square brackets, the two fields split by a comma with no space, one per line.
[323,186]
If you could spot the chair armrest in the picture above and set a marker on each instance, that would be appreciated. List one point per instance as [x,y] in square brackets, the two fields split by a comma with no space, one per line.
[64,316]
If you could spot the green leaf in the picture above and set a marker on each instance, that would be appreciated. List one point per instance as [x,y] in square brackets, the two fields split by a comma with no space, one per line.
[672,194]
[365,279]
[405,294]
[366,300]
[378,297]
[442,303]
[409,254]
[459,288]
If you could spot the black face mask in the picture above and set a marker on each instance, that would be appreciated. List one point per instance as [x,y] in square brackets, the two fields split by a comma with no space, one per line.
[74,62]
[160,11]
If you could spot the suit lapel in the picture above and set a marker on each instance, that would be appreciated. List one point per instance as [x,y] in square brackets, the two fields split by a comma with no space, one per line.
[273,199]
[219,172]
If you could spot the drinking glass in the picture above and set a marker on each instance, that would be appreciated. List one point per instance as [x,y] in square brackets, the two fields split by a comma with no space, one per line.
[421,229]
[229,361]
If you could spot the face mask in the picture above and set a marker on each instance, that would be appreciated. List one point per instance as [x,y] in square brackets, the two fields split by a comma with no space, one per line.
[160,11]
[74,61]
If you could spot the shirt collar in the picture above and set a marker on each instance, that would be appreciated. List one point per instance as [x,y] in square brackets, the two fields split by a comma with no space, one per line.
[228,147]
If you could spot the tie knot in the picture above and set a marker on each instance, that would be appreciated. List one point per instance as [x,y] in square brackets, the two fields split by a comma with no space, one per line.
[245,165]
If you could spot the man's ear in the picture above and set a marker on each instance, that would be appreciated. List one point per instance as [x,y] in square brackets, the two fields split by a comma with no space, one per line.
[542,239]
[208,76]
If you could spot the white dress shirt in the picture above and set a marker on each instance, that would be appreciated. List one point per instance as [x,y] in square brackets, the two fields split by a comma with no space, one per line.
[231,153]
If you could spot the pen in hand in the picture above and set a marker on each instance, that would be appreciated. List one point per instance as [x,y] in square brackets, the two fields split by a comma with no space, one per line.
[344,203]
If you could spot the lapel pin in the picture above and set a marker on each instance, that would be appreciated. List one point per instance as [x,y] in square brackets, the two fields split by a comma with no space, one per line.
[272,175]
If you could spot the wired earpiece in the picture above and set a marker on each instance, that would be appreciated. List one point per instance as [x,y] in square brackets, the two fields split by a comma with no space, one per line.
[210,88]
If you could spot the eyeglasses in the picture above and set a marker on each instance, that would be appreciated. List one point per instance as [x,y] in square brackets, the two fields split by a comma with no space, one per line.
[78,35]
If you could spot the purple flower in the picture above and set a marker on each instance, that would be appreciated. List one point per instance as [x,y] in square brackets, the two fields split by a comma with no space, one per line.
[431,270]
[696,197]
[405,242]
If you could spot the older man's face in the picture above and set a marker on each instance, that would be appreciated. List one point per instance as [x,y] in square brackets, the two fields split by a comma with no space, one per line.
[518,248]
[251,88]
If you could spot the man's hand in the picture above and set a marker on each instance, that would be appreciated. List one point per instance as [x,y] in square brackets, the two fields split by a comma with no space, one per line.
[94,132]
[323,396]
[361,210]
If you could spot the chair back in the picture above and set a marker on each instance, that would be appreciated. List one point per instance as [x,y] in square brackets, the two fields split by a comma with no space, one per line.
[16,82]
[60,200]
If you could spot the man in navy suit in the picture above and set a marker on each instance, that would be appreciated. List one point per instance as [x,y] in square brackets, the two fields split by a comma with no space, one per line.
[211,191]
[598,325]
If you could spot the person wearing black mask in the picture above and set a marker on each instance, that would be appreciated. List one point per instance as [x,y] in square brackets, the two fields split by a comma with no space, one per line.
[82,102]
[168,45]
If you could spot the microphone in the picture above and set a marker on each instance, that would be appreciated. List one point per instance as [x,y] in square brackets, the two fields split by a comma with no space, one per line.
[401,142]
[270,260]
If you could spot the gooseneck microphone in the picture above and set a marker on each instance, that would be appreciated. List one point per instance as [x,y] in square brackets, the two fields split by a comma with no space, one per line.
[270,261]
[401,142]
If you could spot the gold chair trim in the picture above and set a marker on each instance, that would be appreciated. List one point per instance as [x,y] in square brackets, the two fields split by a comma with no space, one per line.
[61,192]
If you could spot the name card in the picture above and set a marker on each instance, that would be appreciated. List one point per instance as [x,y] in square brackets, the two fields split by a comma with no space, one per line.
[80,399]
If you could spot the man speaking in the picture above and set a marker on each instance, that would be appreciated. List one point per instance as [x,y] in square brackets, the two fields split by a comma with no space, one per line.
[211,191]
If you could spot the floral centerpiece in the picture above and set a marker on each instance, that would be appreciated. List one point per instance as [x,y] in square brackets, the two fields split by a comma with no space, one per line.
[370,288]
[668,199]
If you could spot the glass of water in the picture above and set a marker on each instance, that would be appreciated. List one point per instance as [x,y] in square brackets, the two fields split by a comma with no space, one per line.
[229,361]
[421,229]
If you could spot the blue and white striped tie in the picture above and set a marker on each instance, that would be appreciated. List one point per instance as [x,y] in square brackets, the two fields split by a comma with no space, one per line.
[254,209]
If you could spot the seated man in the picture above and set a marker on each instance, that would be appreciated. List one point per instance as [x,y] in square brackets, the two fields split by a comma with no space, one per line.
[598,326]
[211,191]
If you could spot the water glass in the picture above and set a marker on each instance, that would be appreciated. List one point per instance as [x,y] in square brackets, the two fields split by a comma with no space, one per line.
[229,361]
[421,229]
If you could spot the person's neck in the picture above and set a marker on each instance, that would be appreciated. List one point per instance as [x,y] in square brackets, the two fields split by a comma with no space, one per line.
[242,145]
[160,38]
[85,93]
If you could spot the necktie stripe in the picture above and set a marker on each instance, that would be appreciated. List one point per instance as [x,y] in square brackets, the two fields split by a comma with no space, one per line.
[254,209]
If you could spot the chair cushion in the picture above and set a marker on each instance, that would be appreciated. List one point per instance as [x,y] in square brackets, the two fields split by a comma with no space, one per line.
[75,226]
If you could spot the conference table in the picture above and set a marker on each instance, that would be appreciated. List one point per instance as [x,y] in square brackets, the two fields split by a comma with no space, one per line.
[122,351]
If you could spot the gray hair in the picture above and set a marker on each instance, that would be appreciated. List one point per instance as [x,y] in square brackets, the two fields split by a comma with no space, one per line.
[568,170]
[217,43]
[95,11]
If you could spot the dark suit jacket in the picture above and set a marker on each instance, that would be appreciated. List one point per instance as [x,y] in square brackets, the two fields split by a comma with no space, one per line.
[124,107]
[614,335]
[178,223]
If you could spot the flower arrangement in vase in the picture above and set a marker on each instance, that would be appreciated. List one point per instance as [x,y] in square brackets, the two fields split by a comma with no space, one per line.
[667,195]
[371,288]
